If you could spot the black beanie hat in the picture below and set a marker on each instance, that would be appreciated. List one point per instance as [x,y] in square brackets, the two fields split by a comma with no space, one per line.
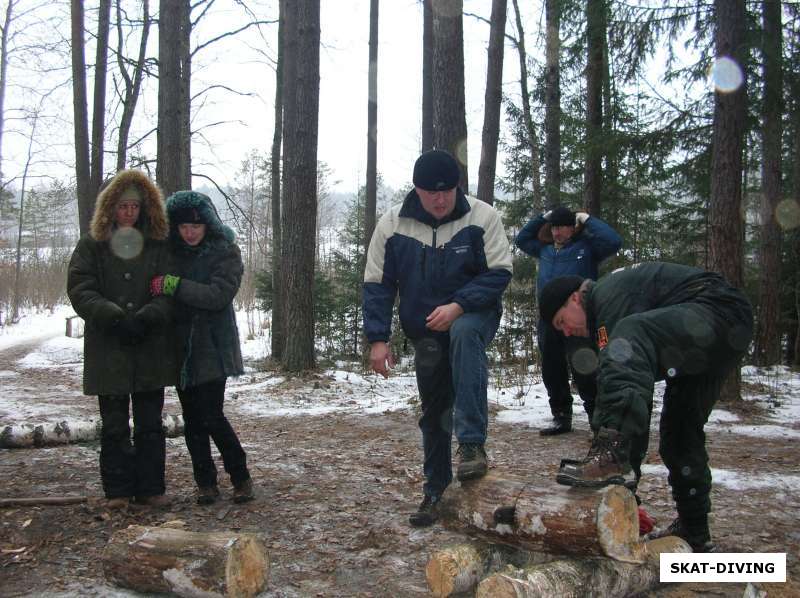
[186,215]
[555,294]
[436,170]
[562,216]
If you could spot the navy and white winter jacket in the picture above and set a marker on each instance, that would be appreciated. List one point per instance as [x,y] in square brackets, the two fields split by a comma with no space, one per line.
[464,258]
[581,255]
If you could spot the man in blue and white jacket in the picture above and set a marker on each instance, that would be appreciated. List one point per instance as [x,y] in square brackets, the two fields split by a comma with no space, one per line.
[448,258]
[566,243]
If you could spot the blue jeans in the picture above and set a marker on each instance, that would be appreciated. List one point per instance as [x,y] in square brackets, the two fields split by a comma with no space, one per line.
[452,377]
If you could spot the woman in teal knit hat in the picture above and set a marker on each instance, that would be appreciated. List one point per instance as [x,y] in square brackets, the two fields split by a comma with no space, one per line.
[208,272]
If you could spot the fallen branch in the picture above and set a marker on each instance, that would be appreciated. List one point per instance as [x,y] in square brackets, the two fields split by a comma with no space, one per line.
[42,501]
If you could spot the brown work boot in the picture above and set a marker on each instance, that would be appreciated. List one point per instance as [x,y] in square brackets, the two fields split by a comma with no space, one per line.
[207,495]
[117,503]
[158,501]
[243,492]
[606,463]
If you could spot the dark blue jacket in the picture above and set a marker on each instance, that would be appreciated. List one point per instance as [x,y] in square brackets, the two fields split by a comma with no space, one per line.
[592,242]
[464,258]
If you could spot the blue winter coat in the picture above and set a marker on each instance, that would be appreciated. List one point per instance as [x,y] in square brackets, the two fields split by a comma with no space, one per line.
[581,255]
[464,258]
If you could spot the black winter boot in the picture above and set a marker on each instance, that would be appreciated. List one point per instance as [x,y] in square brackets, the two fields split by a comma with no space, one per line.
[561,425]
[697,535]
[427,513]
[472,462]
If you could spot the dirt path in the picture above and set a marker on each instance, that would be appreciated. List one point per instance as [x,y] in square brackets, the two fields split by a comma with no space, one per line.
[334,494]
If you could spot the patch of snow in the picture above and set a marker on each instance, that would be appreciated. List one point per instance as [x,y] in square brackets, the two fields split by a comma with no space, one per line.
[33,325]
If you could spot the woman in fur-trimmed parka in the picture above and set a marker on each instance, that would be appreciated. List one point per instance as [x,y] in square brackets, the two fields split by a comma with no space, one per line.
[128,355]
[208,271]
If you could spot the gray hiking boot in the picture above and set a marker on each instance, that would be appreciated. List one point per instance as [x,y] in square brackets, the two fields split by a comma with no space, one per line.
[472,462]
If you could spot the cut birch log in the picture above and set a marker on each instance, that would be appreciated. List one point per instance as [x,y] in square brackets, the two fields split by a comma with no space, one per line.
[168,560]
[459,568]
[553,519]
[577,578]
[69,432]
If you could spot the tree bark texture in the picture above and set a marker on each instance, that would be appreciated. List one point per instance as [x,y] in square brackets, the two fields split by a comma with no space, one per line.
[173,94]
[80,118]
[69,432]
[99,101]
[492,102]
[427,75]
[552,100]
[8,18]
[167,560]
[299,211]
[555,519]
[459,568]
[533,140]
[583,577]
[595,46]
[768,330]
[370,206]
[449,108]
[278,338]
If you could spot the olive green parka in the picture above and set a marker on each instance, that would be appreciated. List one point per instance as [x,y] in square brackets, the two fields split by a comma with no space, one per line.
[109,278]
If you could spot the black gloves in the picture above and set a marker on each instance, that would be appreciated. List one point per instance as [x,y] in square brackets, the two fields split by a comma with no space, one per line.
[130,331]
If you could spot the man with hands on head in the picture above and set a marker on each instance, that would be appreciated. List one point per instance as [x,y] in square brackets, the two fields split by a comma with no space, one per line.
[448,258]
[566,243]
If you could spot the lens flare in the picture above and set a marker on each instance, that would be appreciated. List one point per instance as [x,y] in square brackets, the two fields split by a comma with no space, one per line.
[127,242]
[726,76]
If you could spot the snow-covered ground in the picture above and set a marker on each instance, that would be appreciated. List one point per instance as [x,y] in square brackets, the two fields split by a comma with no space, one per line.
[346,388]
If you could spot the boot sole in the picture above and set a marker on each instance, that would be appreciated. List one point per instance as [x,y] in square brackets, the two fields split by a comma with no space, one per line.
[568,480]
[547,432]
[471,474]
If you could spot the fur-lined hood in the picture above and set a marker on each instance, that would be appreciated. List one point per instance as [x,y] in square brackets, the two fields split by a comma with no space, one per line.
[153,217]
[216,231]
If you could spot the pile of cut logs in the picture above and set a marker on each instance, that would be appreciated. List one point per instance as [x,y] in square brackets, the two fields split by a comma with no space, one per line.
[544,541]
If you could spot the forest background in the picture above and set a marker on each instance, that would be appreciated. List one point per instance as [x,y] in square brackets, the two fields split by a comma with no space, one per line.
[678,125]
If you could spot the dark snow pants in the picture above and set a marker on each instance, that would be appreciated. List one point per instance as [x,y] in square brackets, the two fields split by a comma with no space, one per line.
[560,356]
[204,421]
[132,469]
[693,346]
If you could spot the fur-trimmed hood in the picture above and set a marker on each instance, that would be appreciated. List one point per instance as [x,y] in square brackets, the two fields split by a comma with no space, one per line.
[153,217]
[216,231]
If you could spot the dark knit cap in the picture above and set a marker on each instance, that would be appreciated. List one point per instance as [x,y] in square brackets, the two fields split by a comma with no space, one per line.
[562,216]
[555,294]
[436,170]
[186,215]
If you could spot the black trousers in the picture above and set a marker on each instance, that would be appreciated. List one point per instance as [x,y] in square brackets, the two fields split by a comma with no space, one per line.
[560,356]
[203,421]
[137,468]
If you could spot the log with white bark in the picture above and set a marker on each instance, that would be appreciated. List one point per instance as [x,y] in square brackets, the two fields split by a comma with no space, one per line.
[69,432]
[576,578]
[459,568]
[550,518]
[168,560]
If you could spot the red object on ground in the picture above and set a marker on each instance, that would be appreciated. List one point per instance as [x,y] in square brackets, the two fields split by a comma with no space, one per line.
[646,522]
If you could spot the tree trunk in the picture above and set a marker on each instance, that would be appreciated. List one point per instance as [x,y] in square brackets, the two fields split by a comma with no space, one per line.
[459,568]
[167,560]
[99,103]
[533,140]
[69,432]
[173,89]
[132,85]
[7,20]
[769,333]
[449,116]
[278,339]
[81,119]
[427,75]
[555,519]
[370,205]
[595,46]
[726,236]
[552,100]
[492,102]
[583,577]
[299,213]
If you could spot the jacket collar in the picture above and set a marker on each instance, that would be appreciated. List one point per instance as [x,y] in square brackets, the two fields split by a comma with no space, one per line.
[412,208]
